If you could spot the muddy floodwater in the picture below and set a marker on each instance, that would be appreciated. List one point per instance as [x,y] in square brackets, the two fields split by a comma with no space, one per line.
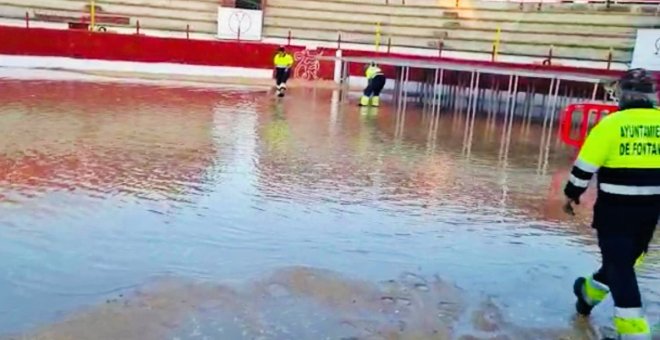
[147,210]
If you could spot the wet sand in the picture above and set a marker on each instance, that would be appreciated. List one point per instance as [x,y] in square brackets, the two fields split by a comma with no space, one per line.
[295,303]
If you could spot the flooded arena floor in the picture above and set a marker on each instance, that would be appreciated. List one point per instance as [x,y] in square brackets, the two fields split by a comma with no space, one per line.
[152,211]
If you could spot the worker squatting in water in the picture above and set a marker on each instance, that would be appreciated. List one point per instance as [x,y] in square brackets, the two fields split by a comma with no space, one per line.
[283,62]
[624,149]
[375,84]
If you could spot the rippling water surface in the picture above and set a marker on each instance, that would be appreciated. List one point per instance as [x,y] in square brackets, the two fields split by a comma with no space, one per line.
[144,211]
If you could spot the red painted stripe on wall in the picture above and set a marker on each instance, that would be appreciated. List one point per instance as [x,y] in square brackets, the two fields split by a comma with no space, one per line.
[108,46]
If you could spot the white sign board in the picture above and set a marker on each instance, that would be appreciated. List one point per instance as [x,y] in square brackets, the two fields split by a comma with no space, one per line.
[237,23]
[647,50]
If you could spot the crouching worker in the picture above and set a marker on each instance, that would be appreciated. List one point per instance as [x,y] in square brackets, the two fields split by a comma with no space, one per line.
[376,80]
[283,61]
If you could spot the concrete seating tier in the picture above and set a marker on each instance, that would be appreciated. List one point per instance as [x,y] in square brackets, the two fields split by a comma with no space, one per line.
[574,31]
[166,15]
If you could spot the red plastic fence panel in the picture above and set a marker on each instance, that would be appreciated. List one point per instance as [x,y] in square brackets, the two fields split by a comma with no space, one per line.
[589,115]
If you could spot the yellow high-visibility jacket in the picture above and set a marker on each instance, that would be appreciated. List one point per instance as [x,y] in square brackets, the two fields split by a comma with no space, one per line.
[283,60]
[373,71]
[624,149]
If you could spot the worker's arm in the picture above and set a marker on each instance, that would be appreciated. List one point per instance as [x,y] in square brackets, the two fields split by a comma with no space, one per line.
[592,156]
[290,61]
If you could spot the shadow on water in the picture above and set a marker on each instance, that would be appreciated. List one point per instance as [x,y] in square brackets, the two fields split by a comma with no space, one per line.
[295,303]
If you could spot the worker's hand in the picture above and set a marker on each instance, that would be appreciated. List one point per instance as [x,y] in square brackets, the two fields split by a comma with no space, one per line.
[568,206]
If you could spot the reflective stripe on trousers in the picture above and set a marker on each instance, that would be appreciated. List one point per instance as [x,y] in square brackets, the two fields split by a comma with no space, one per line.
[594,292]
[631,324]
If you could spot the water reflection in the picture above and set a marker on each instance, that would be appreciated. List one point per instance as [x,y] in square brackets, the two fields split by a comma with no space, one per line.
[238,199]
[107,140]
[389,152]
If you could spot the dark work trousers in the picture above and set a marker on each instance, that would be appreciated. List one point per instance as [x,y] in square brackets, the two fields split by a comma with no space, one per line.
[281,75]
[375,86]
[624,233]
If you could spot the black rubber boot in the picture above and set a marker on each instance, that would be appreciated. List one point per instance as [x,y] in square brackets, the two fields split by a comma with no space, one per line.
[581,306]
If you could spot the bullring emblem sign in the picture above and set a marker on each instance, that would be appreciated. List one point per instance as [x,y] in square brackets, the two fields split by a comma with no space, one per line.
[236,23]
[239,21]
[647,50]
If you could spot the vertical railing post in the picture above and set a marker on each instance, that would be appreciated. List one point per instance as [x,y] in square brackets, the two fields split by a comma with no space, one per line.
[92,15]
[27,20]
[188,31]
[377,37]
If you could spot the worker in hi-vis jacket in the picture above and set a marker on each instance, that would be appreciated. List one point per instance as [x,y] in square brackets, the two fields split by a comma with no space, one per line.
[624,150]
[283,62]
[376,82]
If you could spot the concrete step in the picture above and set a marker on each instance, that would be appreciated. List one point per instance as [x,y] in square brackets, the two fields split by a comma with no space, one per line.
[190,15]
[350,8]
[103,7]
[541,51]
[586,18]
[297,25]
[206,27]
[451,15]
[511,14]
[165,24]
[26,5]
[192,5]
[534,5]
[502,5]
[323,17]
[439,22]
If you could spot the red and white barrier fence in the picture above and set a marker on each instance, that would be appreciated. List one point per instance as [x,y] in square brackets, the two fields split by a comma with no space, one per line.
[589,115]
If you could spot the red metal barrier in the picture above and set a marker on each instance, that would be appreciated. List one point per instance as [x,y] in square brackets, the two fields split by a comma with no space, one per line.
[588,111]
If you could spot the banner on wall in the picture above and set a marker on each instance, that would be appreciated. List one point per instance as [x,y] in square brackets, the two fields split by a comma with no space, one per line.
[238,23]
[647,50]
